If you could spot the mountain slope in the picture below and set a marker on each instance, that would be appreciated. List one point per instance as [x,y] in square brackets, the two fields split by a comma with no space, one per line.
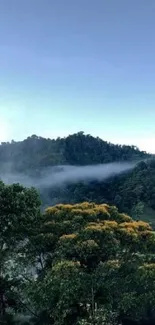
[77,149]
[132,192]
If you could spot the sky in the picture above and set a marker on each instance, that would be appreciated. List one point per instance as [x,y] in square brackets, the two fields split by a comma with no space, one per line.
[78,65]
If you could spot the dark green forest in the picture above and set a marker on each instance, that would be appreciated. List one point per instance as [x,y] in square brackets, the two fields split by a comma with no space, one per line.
[88,259]
[77,149]
[76,264]
[132,192]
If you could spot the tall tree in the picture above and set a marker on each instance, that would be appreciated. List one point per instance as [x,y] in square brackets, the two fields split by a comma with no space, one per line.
[91,258]
[19,217]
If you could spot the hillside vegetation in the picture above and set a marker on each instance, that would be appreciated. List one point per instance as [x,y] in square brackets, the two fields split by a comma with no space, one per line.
[132,192]
[77,149]
[82,264]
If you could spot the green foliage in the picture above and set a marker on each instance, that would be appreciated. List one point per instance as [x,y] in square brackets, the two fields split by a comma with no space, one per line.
[101,317]
[133,192]
[93,266]
[19,217]
[77,263]
[76,149]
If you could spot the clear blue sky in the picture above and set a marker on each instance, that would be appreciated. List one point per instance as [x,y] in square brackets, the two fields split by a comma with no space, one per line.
[78,65]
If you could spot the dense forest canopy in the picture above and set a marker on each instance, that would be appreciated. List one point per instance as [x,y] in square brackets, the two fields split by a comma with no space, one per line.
[64,265]
[76,149]
[81,264]
[132,192]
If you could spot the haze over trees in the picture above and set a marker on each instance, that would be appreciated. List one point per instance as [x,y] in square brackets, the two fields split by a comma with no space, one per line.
[76,149]
[132,192]
[84,260]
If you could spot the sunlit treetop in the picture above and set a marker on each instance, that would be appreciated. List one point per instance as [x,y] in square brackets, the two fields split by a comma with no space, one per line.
[91,233]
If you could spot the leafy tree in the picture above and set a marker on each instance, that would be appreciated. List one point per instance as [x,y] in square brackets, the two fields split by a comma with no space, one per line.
[19,216]
[87,251]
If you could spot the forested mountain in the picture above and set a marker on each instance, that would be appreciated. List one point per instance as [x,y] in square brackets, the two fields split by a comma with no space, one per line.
[77,149]
[84,261]
[132,192]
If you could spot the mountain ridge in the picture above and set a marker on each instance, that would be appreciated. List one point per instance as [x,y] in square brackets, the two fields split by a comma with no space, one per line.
[76,149]
[133,192]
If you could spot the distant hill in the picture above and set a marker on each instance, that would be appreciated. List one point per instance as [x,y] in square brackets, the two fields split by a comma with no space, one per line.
[132,192]
[77,149]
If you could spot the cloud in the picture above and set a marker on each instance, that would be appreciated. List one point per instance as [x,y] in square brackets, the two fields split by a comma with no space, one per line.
[58,176]
[72,174]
